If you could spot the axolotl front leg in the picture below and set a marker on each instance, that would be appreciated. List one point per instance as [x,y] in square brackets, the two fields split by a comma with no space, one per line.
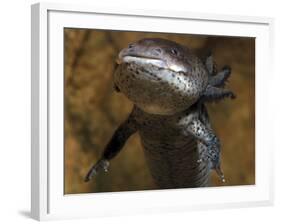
[116,143]
[193,125]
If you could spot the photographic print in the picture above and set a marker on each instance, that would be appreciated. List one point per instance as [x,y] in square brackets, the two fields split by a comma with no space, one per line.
[151,111]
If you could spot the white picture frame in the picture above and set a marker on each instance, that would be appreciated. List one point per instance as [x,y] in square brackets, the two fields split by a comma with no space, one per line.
[48,200]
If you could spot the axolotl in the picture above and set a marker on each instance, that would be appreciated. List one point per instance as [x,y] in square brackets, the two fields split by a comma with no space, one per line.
[169,86]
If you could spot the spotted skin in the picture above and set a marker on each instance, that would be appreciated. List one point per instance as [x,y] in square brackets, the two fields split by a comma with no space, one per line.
[164,96]
[169,87]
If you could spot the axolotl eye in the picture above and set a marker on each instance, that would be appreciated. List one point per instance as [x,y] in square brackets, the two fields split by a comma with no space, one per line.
[157,51]
[174,51]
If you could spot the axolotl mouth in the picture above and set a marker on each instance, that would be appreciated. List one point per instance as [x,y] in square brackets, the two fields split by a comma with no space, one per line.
[142,60]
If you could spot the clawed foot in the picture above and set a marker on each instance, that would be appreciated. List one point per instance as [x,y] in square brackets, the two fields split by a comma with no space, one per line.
[217,168]
[102,164]
[220,173]
[211,156]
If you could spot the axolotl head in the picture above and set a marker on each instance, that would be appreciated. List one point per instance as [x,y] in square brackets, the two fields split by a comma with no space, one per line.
[160,76]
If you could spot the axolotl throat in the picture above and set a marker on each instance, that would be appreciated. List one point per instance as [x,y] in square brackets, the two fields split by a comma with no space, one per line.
[169,87]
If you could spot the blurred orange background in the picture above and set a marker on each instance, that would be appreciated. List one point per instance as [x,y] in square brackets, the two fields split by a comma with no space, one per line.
[93,110]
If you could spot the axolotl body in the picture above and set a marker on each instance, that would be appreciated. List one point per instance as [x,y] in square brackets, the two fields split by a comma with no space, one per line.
[169,86]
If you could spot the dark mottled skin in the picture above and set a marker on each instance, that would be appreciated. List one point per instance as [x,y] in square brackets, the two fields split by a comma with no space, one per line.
[169,86]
